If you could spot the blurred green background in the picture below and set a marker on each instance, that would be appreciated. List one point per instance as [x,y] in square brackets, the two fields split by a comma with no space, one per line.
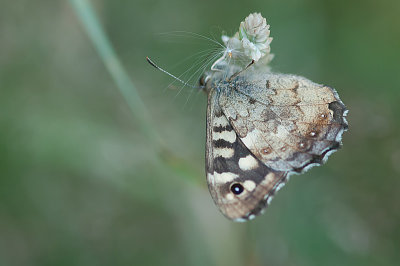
[82,184]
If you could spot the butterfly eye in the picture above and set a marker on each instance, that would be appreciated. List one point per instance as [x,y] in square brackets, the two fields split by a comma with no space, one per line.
[203,80]
[237,188]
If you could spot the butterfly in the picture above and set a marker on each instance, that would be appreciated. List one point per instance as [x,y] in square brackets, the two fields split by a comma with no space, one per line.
[262,126]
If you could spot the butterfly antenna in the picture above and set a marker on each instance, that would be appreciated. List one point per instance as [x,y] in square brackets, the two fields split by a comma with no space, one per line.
[169,74]
[237,73]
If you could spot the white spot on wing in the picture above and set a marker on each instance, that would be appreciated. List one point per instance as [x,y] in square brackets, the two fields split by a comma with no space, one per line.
[229,196]
[248,163]
[223,152]
[269,178]
[220,121]
[224,177]
[251,139]
[229,136]
[249,185]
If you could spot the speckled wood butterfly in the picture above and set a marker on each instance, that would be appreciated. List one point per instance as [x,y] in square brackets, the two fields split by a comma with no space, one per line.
[262,126]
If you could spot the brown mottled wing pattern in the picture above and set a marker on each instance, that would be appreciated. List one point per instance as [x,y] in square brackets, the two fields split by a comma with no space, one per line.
[286,121]
[240,184]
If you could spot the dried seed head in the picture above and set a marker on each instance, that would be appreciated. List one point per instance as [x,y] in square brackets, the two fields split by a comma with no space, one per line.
[252,41]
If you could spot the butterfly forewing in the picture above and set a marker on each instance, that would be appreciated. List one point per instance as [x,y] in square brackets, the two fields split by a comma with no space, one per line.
[240,184]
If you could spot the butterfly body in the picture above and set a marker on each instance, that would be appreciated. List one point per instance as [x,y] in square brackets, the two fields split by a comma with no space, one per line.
[262,127]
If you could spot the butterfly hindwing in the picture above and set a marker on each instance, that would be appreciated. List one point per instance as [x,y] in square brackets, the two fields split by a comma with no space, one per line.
[240,184]
[286,121]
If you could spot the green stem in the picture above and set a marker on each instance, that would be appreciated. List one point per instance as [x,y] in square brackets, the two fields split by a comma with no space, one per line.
[106,52]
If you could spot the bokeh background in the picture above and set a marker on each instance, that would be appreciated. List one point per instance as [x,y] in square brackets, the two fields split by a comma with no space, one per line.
[84,182]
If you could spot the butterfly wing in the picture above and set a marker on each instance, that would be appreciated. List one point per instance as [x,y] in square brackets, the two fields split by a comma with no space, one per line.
[239,183]
[286,121]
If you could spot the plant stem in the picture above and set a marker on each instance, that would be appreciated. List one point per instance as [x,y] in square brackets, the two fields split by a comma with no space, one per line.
[105,50]
[165,159]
